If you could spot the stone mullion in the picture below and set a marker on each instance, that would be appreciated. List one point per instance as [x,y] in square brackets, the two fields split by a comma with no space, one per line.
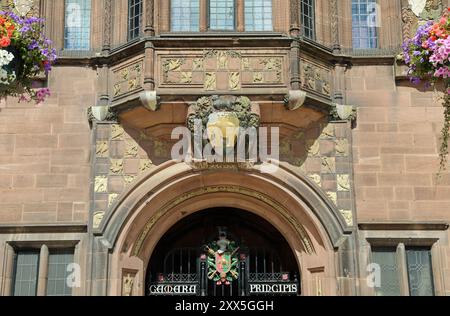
[9,272]
[240,16]
[403,269]
[334,26]
[149,20]
[295,18]
[107,25]
[43,271]
[204,15]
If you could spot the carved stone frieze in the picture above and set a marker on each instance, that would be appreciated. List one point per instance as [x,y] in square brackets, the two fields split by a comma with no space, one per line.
[222,70]
[127,78]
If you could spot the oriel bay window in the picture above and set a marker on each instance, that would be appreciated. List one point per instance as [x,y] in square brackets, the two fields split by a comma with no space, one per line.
[221,15]
[308,18]
[135,10]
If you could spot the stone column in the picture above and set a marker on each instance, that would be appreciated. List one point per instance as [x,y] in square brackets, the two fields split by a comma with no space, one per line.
[149,65]
[43,271]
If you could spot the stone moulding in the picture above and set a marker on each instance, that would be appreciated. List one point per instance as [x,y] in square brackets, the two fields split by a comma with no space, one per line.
[306,241]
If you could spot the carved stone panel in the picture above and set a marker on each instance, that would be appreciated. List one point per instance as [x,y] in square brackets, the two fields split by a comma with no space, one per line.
[316,78]
[127,78]
[222,70]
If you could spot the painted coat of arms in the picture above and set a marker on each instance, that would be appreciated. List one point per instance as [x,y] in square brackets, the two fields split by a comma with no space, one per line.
[223,261]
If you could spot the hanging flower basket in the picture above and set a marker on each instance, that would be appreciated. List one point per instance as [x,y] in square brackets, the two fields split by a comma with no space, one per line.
[25,53]
[427,56]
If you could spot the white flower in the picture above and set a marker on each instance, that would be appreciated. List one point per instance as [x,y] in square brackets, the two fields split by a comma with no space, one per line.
[5,57]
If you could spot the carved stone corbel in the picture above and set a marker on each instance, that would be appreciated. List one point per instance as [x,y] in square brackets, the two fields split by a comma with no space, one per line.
[149,100]
[343,112]
[295,99]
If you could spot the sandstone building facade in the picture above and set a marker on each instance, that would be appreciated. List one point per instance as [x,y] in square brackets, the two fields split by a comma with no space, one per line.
[89,191]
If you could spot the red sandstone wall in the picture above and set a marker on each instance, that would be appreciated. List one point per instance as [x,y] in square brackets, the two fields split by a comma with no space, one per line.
[396,147]
[45,153]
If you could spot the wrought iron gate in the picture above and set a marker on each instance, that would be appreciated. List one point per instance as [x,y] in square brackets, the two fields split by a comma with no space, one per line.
[190,271]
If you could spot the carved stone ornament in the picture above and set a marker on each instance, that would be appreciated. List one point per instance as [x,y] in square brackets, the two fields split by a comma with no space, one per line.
[23,7]
[127,285]
[417,12]
[295,99]
[225,114]
[241,107]
[343,112]
[149,100]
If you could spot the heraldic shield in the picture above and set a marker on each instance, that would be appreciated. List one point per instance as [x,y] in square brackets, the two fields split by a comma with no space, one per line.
[223,260]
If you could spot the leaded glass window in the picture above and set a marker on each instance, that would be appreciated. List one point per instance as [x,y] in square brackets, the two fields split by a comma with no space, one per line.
[222,15]
[77,25]
[134,18]
[258,15]
[420,272]
[26,273]
[185,16]
[58,263]
[387,259]
[364,24]
[308,18]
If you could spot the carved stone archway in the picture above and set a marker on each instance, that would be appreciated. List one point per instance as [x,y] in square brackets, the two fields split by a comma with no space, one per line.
[316,232]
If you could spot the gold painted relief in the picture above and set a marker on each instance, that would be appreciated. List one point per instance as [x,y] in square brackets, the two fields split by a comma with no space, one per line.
[235,81]
[210,81]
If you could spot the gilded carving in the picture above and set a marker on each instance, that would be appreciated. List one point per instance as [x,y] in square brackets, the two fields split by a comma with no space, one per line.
[97,219]
[348,217]
[112,198]
[316,78]
[197,64]
[316,178]
[258,77]
[101,184]
[186,77]
[102,149]
[132,84]
[210,81]
[131,150]
[222,60]
[117,132]
[128,179]
[127,78]
[116,166]
[216,66]
[127,285]
[342,147]
[343,181]
[173,64]
[145,164]
[235,81]
[328,132]
[117,89]
[246,63]
[333,197]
